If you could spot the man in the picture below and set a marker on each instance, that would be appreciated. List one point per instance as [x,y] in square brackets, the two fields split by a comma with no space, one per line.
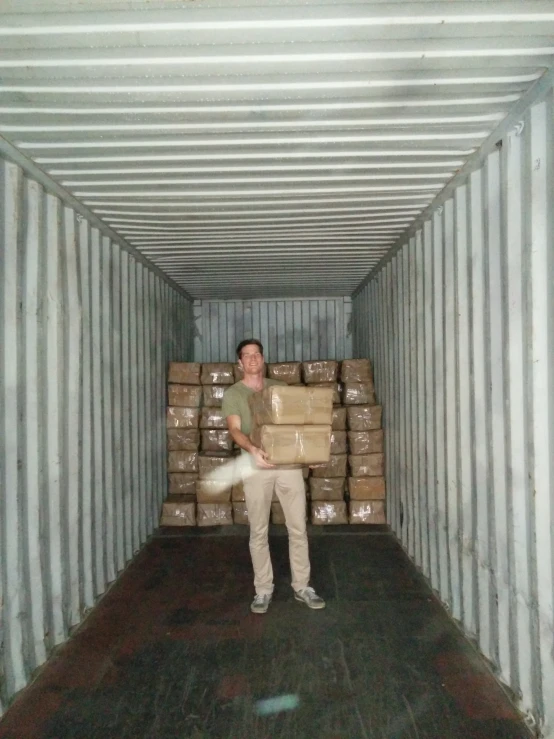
[259,481]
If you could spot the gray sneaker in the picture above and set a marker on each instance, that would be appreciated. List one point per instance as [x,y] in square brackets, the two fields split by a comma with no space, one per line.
[260,604]
[310,598]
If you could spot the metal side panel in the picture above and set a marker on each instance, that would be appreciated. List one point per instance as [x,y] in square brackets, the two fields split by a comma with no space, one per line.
[82,413]
[291,330]
[478,480]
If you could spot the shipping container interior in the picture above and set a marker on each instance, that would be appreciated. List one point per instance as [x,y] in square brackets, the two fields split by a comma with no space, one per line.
[348,179]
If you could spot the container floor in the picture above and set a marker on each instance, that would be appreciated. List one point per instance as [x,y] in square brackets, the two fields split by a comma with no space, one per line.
[173,651]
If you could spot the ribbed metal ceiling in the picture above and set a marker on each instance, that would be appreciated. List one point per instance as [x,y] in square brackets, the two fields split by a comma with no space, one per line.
[255,149]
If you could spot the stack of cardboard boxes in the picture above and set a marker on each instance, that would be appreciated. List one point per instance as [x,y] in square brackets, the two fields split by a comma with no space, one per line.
[366,482]
[216,460]
[294,427]
[184,395]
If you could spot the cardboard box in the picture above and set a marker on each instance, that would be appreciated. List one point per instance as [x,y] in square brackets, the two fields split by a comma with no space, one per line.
[289,372]
[224,464]
[216,440]
[329,513]
[184,396]
[336,467]
[237,494]
[367,465]
[364,417]
[327,488]
[212,418]
[358,393]
[182,483]
[356,370]
[183,440]
[366,442]
[294,444]
[334,386]
[178,510]
[338,422]
[327,371]
[182,418]
[182,462]
[367,511]
[214,514]
[285,405]
[277,513]
[184,373]
[338,442]
[366,488]
[218,373]
[213,491]
[240,514]
[212,395]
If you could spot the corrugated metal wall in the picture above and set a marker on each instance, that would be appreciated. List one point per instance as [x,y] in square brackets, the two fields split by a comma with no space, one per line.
[290,330]
[86,333]
[460,324]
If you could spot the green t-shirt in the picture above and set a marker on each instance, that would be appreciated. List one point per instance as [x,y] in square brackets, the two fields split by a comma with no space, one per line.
[235,403]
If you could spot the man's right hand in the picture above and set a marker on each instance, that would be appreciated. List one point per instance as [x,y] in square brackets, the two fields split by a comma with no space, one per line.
[260,457]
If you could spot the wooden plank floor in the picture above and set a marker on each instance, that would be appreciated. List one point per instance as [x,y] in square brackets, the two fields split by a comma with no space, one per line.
[173,651]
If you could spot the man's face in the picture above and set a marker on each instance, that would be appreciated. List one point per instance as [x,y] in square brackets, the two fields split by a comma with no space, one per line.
[251,359]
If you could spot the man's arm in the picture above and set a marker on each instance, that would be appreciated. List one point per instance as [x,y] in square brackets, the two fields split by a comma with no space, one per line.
[233,424]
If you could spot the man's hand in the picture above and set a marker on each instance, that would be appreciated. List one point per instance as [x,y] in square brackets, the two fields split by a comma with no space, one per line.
[260,458]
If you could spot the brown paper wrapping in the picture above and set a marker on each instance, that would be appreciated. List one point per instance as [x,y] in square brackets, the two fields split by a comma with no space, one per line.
[366,442]
[294,444]
[217,373]
[210,463]
[212,418]
[339,419]
[210,491]
[240,514]
[334,386]
[327,488]
[327,371]
[214,514]
[182,462]
[184,373]
[182,483]
[336,467]
[184,396]
[366,488]
[182,418]
[237,494]
[326,513]
[183,440]
[367,511]
[356,370]
[212,395]
[338,442]
[364,417]
[216,440]
[367,465]
[178,510]
[285,405]
[289,372]
[358,393]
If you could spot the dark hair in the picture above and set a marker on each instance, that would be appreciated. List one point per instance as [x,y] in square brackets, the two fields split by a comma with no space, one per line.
[246,342]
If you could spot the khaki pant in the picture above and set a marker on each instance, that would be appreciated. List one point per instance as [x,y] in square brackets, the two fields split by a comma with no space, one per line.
[258,492]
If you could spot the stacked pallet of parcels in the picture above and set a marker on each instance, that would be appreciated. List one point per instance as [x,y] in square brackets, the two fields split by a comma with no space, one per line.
[198,445]
[204,481]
